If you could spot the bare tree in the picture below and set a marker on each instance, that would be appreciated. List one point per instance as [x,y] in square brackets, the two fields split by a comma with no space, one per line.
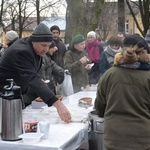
[10,14]
[18,12]
[1,13]
[107,23]
[144,7]
[38,11]
[44,7]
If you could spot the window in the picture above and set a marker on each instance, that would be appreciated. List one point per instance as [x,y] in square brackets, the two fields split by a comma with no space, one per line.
[127,26]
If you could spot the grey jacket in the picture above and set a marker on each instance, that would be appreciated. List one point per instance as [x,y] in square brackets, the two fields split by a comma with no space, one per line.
[51,71]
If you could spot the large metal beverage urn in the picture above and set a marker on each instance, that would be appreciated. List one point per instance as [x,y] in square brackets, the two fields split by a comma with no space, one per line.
[0,113]
[11,112]
[96,131]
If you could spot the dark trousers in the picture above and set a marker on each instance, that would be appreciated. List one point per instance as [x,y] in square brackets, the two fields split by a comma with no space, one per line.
[94,74]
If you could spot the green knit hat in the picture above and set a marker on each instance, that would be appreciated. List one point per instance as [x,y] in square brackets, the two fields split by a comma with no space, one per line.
[77,39]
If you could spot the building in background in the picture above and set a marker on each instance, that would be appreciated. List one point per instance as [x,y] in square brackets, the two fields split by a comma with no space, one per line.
[60,21]
[108,24]
[31,23]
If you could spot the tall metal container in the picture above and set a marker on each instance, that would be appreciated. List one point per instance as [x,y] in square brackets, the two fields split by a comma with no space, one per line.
[0,114]
[11,112]
[96,131]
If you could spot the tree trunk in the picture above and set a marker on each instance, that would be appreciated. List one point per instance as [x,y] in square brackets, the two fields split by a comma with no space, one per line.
[81,17]
[144,7]
[37,11]
[1,14]
[121,16]
[20,18]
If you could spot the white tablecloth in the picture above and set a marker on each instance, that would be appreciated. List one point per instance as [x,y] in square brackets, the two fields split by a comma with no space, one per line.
[62,136]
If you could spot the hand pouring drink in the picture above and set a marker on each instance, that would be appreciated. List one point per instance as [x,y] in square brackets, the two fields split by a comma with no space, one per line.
[11,112]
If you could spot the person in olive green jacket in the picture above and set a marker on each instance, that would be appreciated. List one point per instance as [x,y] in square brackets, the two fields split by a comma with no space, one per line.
[123,98]
[76,60]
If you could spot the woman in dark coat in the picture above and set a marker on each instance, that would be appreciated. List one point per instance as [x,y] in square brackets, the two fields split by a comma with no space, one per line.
[107,56]
[75,61]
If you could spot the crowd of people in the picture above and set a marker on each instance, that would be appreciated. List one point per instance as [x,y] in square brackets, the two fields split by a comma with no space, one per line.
[120,69]
[123,96]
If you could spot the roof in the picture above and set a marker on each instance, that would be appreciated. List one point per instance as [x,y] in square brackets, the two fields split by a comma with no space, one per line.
[60,21]
[29,25]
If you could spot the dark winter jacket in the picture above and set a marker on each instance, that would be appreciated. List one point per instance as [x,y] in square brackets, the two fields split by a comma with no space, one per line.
[21,63]
[123,99]
[59,54]
[77,69]
[51,71]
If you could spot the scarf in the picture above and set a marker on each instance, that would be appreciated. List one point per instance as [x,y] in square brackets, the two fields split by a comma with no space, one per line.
[93,51]
[110,54]
[136,66]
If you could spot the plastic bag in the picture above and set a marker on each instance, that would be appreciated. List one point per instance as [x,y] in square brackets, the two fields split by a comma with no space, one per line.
[66,88]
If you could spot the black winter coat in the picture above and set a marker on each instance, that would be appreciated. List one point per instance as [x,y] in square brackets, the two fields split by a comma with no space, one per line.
[21,63]
[58,56]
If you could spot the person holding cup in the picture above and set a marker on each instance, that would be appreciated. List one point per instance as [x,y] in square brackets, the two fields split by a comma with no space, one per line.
[76,60]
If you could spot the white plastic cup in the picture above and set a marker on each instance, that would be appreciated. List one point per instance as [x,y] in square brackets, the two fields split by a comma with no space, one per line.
[44,127]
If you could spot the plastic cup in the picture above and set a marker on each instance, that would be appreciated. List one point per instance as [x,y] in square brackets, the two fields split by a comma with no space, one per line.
[44,127]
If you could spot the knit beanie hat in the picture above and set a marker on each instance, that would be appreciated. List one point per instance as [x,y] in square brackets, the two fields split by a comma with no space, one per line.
[11,35]
[135,39]
[77,39]
[54,27]
[92,33]
[41,34]
[53,44]
[147,37]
